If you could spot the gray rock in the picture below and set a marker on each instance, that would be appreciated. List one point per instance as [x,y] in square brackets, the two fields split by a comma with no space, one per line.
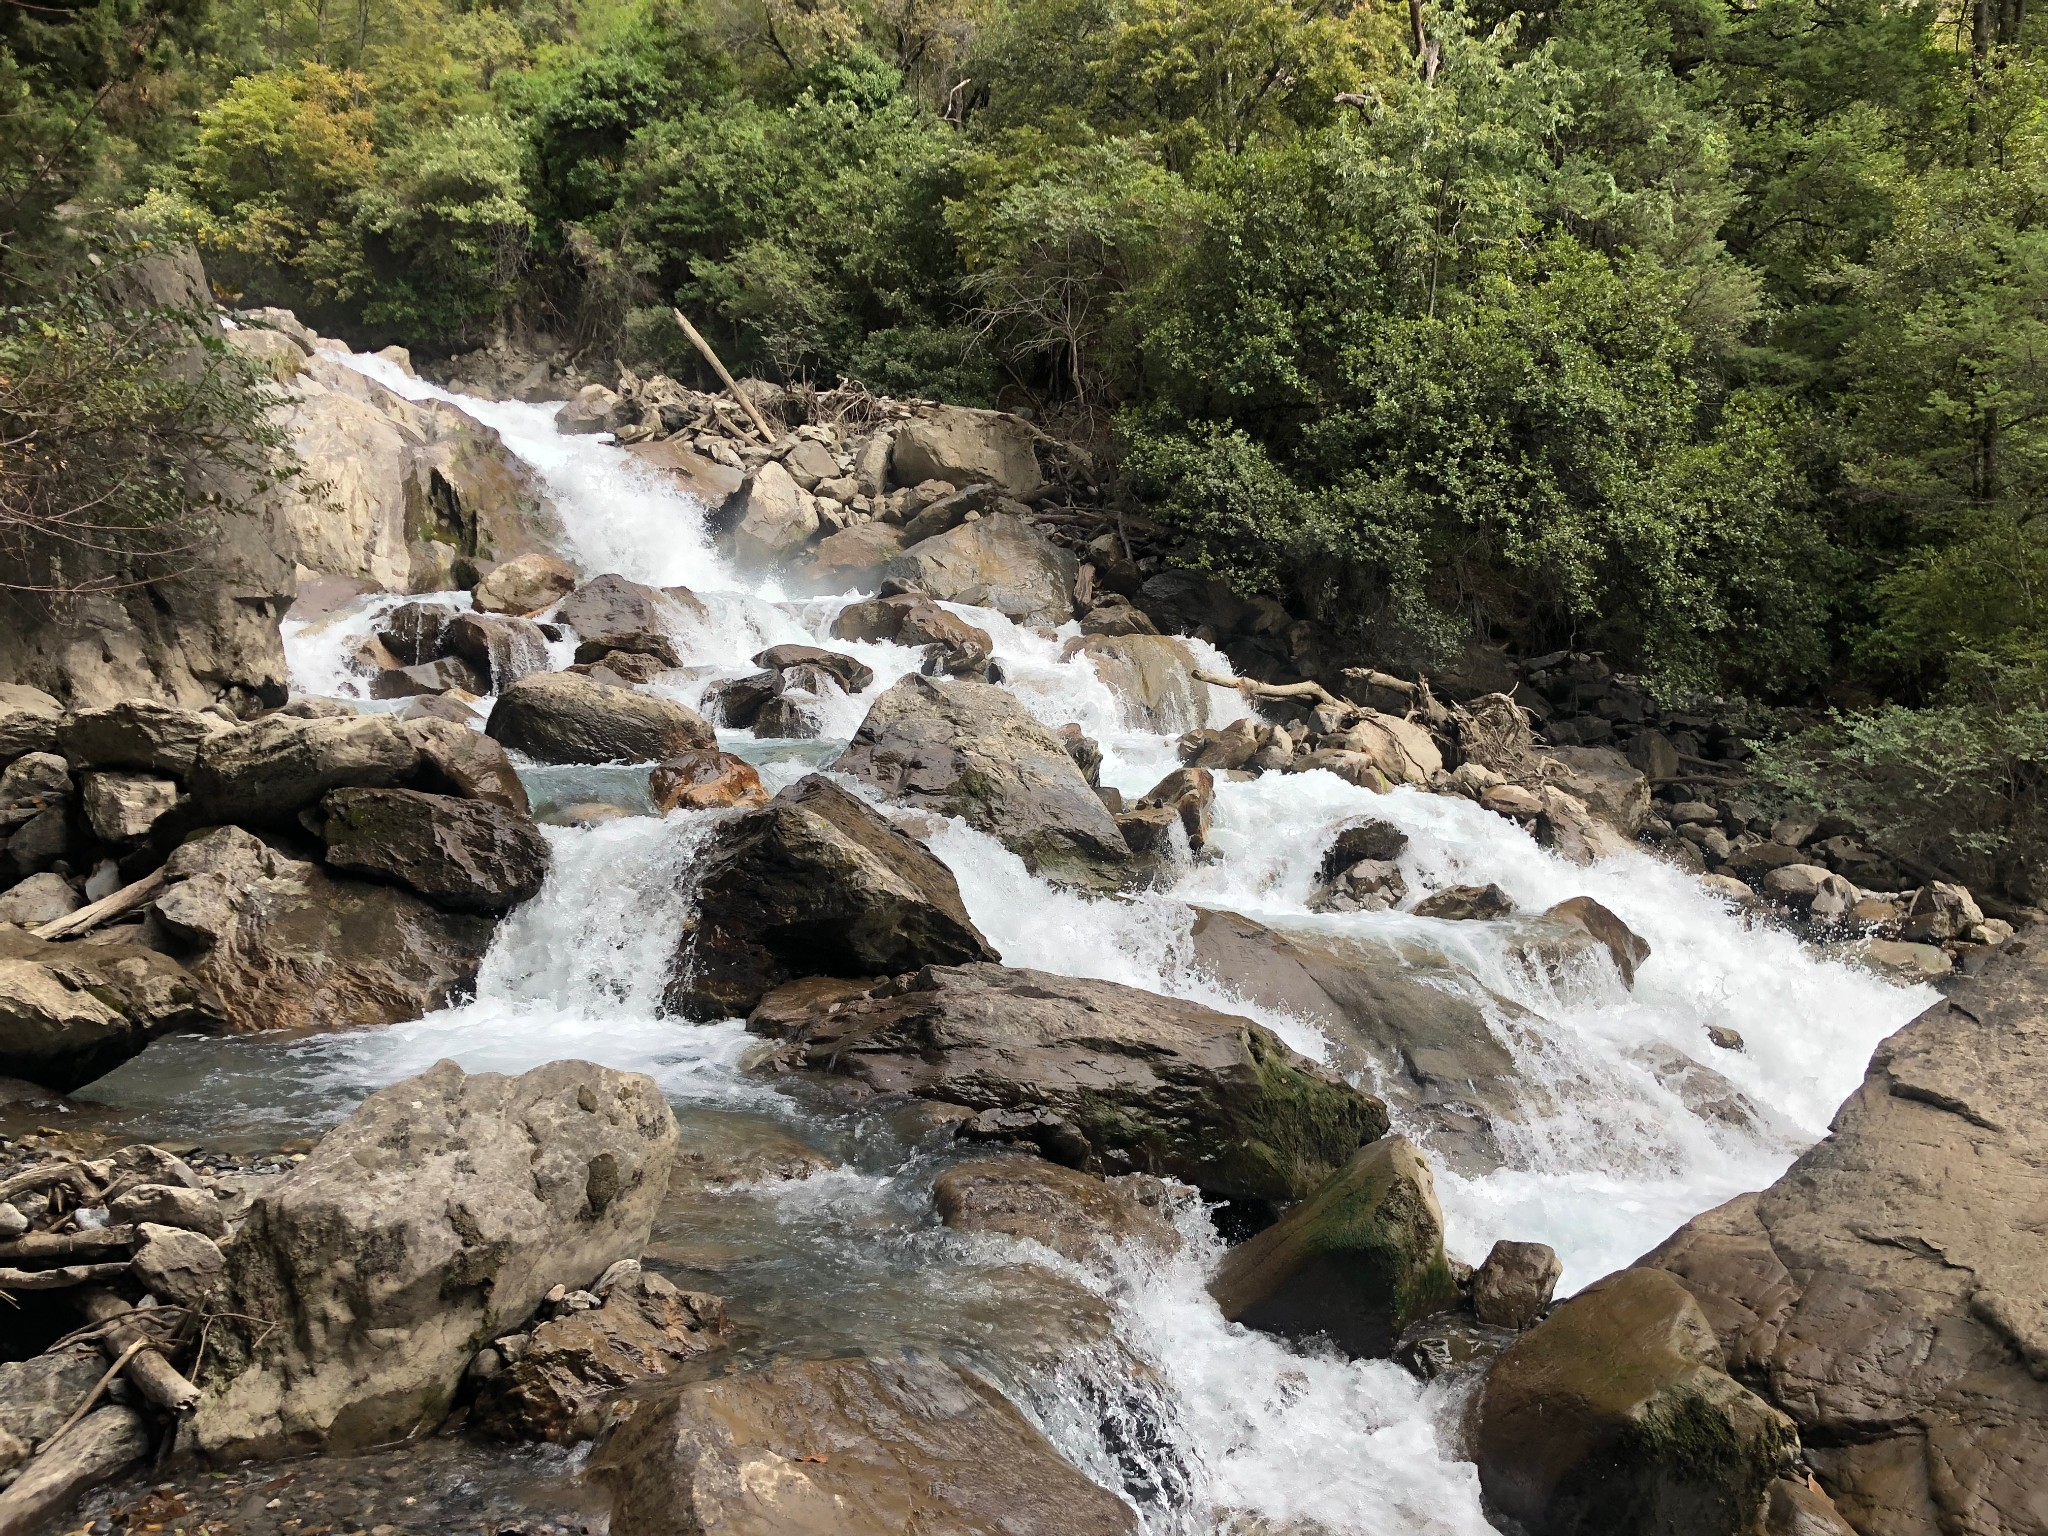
[1467,903]
[35,780]
[38,1394]
[28,721]
[560,717]
[39,899]
[610,613]
[1614,788]
[141,735]
[1888,1291]
[1513,1286]
[122,807]
[417,633]
[179,1265]
[852,559]
[455,760]
[971,750]
[998,562]
[525,584]
[962,446]
[813,884]
[1080,1216]
[1613,1415]
[170,1205]
[1092,1074]
[266,773]
[70,1013]
[1152,677]
[450,674]
[501,647]
[471,855]
[771,517]
[437,1216]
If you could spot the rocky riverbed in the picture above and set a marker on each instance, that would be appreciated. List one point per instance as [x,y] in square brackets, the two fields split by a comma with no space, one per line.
[785,984]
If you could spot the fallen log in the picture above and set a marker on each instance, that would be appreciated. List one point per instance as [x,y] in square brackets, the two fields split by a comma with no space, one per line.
[60,1278]
[68,1245]
[717,367]
[126,899]
[33,1181]
[154,1376]
[1256,690]
[96,1448]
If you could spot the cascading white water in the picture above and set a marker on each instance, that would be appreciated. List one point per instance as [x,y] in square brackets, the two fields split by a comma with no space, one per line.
[1607,1162]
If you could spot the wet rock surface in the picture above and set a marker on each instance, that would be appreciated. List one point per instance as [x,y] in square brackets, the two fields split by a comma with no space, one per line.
[1092,1074]
[469,855]
[560,717]
[72,1013]
[971,750]
[869,1447]
[813,883]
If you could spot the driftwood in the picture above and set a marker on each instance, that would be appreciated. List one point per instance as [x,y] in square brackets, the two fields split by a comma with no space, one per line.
[91,1451]
[717,367]
[68,1245]
[126,899]
[154,1376]
[44,1176]
[60,1278]
[1257,690]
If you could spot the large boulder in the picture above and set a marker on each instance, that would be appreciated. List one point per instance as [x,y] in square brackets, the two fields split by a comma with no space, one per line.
[435,1217]
[467,854]
[1889,1291]
[525,584]
[29,719]
[1612,787]
[1403,1018]
[349,510]
[850,560]
[142,735]
[813,884]
[1356,1262]
[563,717]
[265,773]
[610,613]
[964,446]
[1614,1417]
[998,562]
[283,944]
[971,750]
[771,518]
[1152,677]
[70,1013]
[853,1447]
[952,646]
[1095,1075]
[455,760]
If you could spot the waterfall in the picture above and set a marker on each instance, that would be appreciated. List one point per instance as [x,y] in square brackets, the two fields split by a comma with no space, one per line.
[1202,1424]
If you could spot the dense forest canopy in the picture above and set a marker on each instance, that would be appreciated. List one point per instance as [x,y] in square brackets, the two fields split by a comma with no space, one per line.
[1707,335]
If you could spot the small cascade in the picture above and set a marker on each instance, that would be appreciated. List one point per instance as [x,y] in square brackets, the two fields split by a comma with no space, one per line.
[1203,1426]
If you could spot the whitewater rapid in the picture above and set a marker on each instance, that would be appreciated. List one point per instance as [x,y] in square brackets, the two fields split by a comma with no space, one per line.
[1242,1428]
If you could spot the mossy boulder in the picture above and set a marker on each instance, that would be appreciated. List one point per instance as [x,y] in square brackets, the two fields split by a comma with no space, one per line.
[1614,1417]
[1093,1075]
[1357,1261]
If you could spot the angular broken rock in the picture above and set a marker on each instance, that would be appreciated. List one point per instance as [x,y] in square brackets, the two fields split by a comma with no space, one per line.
[436,1216]
[1094,1075]
[999,562]
[179,1265]
[471,855]
[610,613]
[852,675]
[285,945]
[853,1447]
[70,1013]
[266,773]
[122,807]
[1514,1284]
[1356,1262]
[525,584]
[1467,903]
[28,721]
[455,760]
[560,717]
[813,883]
[139,735]
[771,517]
[961,446]
[169,1205]
[972,750]
[554,1382]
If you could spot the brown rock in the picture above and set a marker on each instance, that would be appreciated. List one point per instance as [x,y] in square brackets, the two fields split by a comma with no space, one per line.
[850,1447]
[558,717]
[1080,1216]
[1513,1286]
[1467,903]
[705,780]
[525,584]
[610,613]
[471,855]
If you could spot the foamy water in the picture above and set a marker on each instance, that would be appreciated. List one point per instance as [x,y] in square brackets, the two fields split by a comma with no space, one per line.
[1605,1164]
